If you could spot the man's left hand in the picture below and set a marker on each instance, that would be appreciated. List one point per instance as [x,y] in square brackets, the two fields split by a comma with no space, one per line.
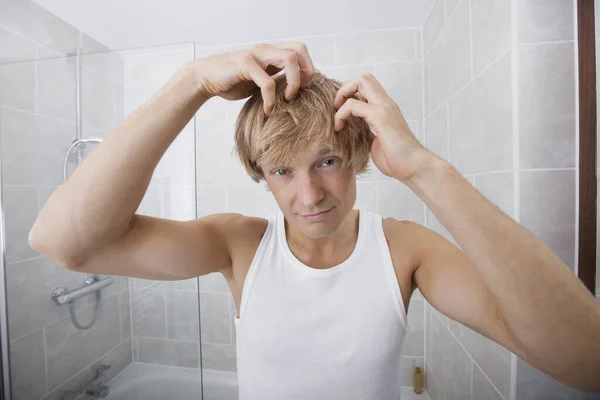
[395,149]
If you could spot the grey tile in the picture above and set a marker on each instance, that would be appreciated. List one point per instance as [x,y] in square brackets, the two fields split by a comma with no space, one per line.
[414,341]
[481,128]
[433,24]
[346,72]
[73,384]
[56,88]
[548,209]
[450,363]
[20,205]
[97,99]
[491,31]
[17,85]
[396,200]
[435,225]
[403,83]
[320,48]
[221,357]
[168,352]
[15,48]
[90,45]
[125,316]
[499,189]
[183,319]
[533,384]
[489,355]
[451,6]
[214,282]
[179,202]
[449,60]
[366,196]
[29,285]
[226,169]
[251,200]
[117,359]
[409,364]
[119,103]
[432,384]
[547,106]
[233,311]
[39,25]
[215,318]
[545,21]
[482,388]
[148,310]
[160,65]
[69,349]
[28,367]
[33,148]
[377,47]
[436,132]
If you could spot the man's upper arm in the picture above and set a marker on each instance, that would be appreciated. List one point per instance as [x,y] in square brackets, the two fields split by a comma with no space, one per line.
[451,283]
[163,249]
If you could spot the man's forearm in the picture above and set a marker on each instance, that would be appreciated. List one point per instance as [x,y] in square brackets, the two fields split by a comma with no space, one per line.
[547,309]
[96,204]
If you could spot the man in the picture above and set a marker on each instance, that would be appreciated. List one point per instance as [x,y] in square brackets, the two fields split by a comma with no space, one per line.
[321,289]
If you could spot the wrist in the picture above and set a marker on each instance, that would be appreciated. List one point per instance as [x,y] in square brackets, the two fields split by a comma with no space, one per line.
[189,72]
[427,165]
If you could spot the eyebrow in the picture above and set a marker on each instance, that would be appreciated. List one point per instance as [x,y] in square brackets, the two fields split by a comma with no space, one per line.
[325,150]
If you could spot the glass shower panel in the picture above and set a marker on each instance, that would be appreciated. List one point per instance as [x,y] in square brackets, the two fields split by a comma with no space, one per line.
[53,114]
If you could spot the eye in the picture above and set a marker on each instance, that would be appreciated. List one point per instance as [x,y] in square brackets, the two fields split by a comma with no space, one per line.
[277,170]
[332,161]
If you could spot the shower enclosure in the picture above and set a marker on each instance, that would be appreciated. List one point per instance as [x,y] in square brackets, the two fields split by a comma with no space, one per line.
[65,333]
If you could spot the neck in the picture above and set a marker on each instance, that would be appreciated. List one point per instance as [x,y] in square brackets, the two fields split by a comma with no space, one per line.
[326,247]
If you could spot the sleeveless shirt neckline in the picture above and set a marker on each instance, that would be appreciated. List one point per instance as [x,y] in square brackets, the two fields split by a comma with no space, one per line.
[282,239]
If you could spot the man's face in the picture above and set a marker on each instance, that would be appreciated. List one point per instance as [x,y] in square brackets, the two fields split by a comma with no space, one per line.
[317,182]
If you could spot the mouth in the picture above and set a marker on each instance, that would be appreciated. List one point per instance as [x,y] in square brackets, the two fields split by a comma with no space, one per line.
[312,217]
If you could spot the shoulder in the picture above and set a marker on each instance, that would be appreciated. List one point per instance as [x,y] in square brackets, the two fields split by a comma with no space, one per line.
[243,237]
[402,231]
[407,240]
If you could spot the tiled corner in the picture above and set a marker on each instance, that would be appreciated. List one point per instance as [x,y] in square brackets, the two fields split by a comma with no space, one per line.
[377,47]
[396,200]
[547,105]
[168,352]
[555,191]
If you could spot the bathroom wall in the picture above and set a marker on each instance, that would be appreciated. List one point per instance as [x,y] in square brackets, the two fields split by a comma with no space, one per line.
[469,122]
[501,107]
[165,317]
[394,57]
[48,355]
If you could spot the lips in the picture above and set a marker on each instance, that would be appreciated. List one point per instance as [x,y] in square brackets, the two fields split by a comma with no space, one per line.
[312,215]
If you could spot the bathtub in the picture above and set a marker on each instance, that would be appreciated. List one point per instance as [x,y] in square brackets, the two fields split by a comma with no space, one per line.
[156,382]
[139,381]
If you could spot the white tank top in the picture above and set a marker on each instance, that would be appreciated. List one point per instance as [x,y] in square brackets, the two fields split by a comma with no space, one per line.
[306,333]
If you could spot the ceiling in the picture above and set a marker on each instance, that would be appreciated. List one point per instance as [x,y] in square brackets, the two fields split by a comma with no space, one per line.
[124,24]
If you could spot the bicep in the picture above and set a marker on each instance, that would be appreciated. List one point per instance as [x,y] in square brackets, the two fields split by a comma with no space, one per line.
[163,249]
[451,283]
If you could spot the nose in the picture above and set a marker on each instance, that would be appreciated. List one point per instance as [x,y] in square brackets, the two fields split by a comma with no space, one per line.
[310,193]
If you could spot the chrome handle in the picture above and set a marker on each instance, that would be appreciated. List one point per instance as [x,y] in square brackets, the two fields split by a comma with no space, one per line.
[62,296]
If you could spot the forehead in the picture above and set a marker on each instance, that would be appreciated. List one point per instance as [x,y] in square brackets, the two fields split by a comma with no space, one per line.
[309,153]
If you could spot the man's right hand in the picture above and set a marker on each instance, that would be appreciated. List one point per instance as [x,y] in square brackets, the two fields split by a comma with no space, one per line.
[237,75]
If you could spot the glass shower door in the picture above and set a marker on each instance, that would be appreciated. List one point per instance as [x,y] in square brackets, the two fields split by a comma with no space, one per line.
[53,113]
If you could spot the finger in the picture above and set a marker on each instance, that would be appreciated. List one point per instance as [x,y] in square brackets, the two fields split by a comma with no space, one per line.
[365,84]
[281,58]
[263,80]
[307,68]
[351,107]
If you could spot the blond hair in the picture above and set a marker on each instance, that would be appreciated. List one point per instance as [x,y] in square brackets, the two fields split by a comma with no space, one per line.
[307,119]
